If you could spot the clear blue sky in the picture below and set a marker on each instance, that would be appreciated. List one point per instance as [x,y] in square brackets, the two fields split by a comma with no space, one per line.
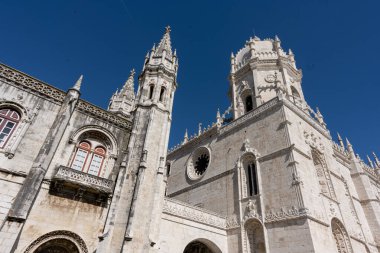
[335,44]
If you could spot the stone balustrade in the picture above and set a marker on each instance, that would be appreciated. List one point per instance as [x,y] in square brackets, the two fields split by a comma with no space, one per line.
[84,180]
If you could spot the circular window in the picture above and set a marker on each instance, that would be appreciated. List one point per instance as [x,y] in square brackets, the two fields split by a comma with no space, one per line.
[198,163]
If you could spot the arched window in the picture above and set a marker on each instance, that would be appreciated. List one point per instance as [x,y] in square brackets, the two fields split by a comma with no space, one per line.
[96,161]
[162,94]
[252,179]
[81,155]
[9,120]
[87,159]
[151,89]
[248,103]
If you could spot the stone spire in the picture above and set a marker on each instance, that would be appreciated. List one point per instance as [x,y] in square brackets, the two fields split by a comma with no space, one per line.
[123,101]
[370,162]
[219,119]
[186,137]
[78,84]
[128,88]
[165,45]
[340,141]
[377,161]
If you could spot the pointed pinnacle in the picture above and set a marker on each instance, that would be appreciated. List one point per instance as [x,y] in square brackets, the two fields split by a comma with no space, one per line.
[348,143]
[78,83]
[276,38]
[232,55]
[290,52]
[186,134]
[339,138]
[376,159]
[370,161]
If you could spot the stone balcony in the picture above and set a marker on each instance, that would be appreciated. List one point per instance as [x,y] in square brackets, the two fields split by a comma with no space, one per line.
[83,180]
[78,185]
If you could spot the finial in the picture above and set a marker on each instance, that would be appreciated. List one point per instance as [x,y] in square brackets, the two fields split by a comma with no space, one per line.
[348,143]
[290,52]
[370,161]
[276,38]
[175,52]
[186,137]
[78,83]
[154,47]
[168,29]
[340,141]
[199,128]
[147,55]
[132,73]
[377,161]
[232,55]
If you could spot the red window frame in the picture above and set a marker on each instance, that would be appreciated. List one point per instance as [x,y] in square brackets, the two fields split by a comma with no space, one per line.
[83,147]
[8,115]
[99,153]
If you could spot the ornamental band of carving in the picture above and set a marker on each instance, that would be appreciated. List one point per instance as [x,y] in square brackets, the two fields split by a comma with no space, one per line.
[58,95]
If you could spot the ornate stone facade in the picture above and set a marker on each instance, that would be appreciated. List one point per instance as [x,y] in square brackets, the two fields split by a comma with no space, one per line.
[265,177]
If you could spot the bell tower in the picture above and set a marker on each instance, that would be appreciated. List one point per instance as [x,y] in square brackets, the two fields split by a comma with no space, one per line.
[148,146]
[259,72]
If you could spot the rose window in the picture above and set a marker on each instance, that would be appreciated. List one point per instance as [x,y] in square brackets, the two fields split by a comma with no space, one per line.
[198,163]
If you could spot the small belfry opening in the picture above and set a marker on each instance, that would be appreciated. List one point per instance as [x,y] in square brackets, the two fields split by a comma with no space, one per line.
[250,170]
[151,89]
[248,103]
[162,94]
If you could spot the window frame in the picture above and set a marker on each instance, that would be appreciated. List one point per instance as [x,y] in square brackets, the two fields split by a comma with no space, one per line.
[5,119]
[102,155]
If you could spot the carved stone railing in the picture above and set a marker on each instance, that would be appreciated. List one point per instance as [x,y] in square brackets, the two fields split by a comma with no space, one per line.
[369,170]
[199,215]
[83,180]
[30,83]
[252,114]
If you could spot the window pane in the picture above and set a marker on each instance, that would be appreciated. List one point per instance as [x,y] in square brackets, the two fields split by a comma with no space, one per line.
[4,133]
[95,165]
[79,160]
[4,111]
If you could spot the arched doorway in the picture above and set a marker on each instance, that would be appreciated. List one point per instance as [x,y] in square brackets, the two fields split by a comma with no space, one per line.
[60,241]
[202,246]
[341,237]
[197,247]
[57,246]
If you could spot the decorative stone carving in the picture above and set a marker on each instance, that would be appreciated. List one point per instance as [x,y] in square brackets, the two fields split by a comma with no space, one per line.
[341,237]
[251,211]
[247,148]
[270,78]
[232,222]
[58,95]
[83,179]
[285,214]
[314,141]
[192,213]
